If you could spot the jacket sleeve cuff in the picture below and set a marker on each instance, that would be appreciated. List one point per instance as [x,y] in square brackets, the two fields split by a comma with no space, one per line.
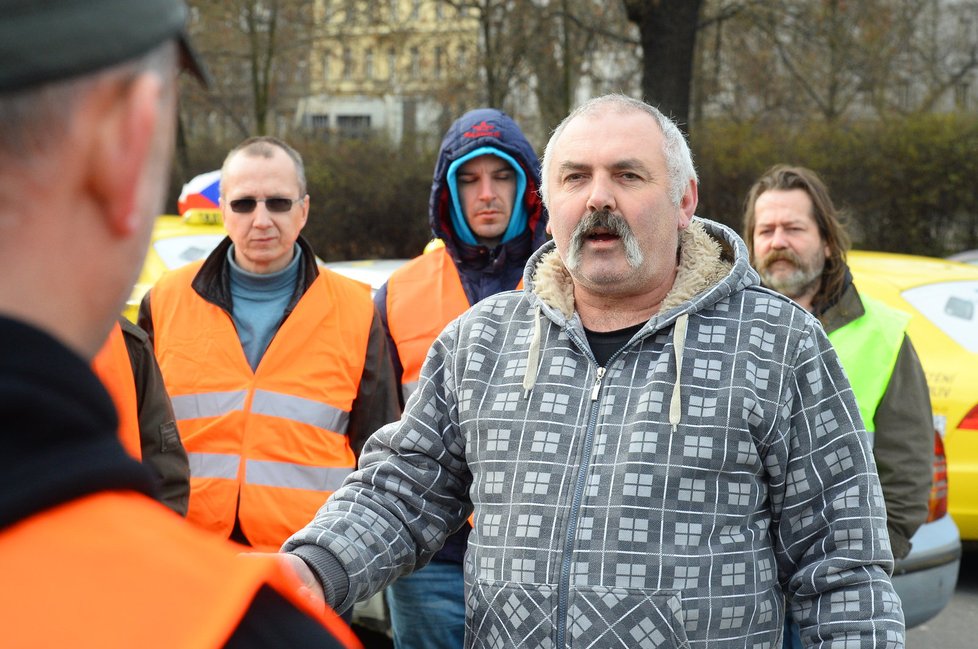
[330,572]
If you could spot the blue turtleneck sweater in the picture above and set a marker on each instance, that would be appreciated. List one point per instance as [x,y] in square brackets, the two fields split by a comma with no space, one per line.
[259,303]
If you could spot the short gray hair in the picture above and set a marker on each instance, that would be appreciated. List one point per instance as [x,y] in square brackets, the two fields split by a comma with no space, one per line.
[263,146]
[34,119]
[679,159]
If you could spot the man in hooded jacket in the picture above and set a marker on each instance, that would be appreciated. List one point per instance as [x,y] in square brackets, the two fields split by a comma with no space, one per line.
[486,210]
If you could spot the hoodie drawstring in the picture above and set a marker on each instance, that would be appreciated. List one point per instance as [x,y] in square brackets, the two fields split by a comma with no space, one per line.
[533,356]
[679,342]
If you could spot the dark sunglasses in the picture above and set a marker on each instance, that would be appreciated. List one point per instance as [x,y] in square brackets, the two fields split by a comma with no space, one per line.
[273,204]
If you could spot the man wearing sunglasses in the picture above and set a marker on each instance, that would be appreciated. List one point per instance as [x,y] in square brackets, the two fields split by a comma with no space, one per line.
[278,370]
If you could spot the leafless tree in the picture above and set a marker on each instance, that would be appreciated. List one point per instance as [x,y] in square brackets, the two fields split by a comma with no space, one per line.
[834,59]
[254,50]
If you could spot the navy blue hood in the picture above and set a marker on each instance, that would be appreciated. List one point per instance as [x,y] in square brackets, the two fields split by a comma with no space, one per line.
[486,127]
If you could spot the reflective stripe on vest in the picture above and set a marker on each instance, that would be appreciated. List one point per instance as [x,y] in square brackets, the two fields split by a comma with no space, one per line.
[212,404]
[868,348]
[423,296]
[114,369]
[269,444]
[136,576]
[267,473]
[215,404]
[294,476]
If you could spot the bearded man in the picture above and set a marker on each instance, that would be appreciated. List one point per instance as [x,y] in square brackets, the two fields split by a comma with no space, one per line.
[798,245]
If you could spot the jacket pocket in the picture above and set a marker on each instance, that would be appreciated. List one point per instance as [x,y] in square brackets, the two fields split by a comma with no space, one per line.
[524,615]
[600,616]
[503,614]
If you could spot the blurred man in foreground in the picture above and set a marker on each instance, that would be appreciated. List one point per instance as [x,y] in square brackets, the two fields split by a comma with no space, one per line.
[88,92]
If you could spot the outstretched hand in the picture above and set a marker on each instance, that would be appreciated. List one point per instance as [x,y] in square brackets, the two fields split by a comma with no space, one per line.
[310,588]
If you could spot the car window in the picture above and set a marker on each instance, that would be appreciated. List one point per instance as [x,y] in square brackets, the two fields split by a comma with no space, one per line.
[177,251]
[950,306]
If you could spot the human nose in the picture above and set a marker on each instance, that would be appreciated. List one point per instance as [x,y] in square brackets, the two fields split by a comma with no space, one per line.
[601,197]
[486,190]
[262,217]
[778,239]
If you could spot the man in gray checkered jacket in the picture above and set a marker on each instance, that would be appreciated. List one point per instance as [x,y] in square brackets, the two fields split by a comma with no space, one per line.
[656,449]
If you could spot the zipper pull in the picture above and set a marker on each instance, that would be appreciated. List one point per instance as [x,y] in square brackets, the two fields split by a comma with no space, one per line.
[597,384]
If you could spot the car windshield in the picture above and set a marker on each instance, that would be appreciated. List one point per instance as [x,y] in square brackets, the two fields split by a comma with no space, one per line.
[177,251]
[950,306]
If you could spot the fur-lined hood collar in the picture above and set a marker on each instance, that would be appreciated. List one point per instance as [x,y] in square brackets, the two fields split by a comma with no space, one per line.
[712,264]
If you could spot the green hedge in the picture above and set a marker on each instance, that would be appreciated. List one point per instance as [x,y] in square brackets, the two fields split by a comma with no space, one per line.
[908,185]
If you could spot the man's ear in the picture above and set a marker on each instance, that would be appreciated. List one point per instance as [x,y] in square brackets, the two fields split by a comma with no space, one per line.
[120,149]
[687,204]
[305,211]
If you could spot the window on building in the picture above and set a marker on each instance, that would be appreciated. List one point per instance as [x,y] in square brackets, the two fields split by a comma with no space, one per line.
[347,63]
[355,126]
[352,15]
[439,60]
[415,9]
[461,57]
[391,63]
[415,63]
[326,74]
[368,63]
[439,9]
[319,122]
[394,5]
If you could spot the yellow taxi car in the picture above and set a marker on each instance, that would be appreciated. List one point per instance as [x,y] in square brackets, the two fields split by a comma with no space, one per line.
[942,297]
[942,300]
[176,240]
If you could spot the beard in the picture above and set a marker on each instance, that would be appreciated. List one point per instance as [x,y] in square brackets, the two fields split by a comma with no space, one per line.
[796,282]
[611,223]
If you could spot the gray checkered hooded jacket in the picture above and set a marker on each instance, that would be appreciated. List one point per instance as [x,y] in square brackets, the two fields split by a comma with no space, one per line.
[673,498]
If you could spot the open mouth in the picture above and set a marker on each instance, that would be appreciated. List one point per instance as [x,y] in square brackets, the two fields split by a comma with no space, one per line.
[600,235]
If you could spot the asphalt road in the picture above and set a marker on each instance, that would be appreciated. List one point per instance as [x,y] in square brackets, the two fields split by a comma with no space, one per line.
[956,627]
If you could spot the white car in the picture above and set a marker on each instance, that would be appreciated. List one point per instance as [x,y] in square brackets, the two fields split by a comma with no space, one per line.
[369,271]
[966,257]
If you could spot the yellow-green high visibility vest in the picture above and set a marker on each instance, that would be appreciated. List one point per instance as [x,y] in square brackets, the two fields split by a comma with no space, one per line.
[868,348]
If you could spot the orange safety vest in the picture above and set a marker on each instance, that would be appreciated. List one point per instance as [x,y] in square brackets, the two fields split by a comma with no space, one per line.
[423,296]
[114,369]
[121,571]
[268,445]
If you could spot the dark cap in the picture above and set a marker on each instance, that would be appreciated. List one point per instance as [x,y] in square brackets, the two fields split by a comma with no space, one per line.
[50,40]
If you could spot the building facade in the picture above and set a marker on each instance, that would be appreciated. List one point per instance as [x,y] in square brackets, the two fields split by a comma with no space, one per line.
[399,67]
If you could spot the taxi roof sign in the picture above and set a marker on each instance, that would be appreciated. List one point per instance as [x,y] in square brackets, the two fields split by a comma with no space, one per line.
[202,216]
